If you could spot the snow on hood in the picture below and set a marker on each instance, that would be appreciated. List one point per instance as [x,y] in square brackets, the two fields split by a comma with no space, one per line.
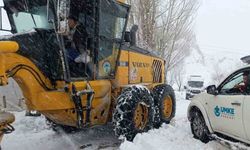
[6,37]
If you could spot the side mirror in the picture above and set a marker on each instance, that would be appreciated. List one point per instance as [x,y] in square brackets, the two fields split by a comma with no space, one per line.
[127,37]
[185,87]
[4,23]
[212,90]
[62,16]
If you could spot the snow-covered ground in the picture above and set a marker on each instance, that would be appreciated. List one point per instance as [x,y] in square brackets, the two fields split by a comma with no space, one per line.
[33,133]
[176,135]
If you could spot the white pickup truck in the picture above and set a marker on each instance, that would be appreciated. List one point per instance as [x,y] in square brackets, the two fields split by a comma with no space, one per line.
[195,85]
[223,110]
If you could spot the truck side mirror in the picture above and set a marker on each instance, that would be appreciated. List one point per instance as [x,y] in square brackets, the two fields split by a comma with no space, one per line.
[63,8]
[185,87]
[3,25]
[127,37]
[212,90]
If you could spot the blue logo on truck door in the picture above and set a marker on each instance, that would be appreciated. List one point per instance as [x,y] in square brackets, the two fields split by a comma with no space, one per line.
[224,112]
[217,111]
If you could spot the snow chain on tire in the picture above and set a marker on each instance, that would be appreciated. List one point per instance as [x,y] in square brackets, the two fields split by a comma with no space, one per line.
[126,110]
[163,95]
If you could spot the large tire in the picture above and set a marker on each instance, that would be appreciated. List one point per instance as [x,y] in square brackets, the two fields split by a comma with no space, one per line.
[134,112]
[165,104]
[199,127]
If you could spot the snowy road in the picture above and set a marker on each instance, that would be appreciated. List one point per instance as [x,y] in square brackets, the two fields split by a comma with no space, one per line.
[176,135]
[32,133]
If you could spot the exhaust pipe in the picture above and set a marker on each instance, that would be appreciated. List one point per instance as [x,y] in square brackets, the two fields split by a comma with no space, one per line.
[133,35]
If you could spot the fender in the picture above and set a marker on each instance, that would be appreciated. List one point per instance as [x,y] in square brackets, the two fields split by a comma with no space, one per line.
[199,105]
[8,46]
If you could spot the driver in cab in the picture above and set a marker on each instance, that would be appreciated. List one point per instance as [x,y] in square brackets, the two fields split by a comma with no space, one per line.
[78,45]
[244,87]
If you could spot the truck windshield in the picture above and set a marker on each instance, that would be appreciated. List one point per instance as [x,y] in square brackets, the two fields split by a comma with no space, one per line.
[195,84]
[28,14]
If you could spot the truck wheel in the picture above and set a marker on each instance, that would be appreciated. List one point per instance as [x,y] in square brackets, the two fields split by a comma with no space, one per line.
[134,112]
[165,104]
[199,127]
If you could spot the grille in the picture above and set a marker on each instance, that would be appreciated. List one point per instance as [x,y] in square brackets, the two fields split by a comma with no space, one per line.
[195,91]
[157,71]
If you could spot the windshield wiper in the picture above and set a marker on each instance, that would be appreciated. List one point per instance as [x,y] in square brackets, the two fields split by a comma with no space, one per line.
[33,20]
[26,5]
[114,40]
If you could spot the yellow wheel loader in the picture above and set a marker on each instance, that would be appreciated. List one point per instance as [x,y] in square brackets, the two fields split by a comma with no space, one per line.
[121,83]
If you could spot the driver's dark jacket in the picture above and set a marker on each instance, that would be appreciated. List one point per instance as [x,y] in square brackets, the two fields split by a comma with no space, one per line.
[247,90]
[78,37]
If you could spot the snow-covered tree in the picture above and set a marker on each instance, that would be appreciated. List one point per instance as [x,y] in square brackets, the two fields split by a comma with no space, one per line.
[166,26]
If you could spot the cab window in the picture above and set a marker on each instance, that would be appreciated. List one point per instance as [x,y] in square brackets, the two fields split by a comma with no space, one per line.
[230,86]
[233,85]
[34,12]
[233,82]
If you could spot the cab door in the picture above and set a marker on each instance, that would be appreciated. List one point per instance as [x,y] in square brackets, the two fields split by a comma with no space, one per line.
[226,108]
[246,117]
[113,18]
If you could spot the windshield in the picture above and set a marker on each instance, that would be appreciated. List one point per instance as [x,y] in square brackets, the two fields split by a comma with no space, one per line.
[195,84]
[29,14]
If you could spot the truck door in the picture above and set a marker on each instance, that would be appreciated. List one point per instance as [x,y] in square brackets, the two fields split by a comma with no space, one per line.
[246,113]
[226,109]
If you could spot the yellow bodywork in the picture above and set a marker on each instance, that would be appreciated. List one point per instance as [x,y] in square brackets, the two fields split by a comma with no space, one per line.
[8,47]
[136,68]
[57,104]
[122,1]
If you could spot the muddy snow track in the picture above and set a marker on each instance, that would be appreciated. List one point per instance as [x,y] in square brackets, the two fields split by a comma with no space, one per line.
[33,133]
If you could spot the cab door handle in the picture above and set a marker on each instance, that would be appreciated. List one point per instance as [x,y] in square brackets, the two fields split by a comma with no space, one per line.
[236,103]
